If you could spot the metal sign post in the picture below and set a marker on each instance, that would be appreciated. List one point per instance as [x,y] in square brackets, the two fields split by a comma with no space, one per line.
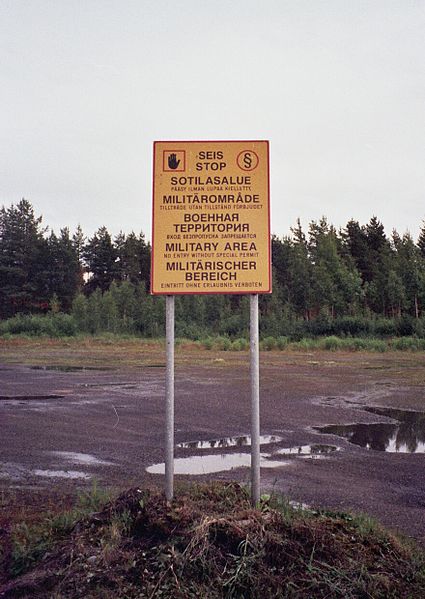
[211,235]
[255,401]
[169,400]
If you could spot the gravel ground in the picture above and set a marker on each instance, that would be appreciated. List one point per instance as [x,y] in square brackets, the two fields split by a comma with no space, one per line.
[60,430]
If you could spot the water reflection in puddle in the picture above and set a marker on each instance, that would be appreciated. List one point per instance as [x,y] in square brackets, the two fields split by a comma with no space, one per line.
[220,462]
[84,459]
[208,464]
[242,441]
[407,435]
[71,474]
[308,450]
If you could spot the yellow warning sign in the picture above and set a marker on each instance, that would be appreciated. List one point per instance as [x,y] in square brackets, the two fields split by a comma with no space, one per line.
[211,217]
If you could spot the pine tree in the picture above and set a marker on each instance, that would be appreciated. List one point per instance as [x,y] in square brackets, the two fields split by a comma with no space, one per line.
[300,267]
[375,235]
[281,260]
[421,240]
[354,242]
[409,266]
[379,263]
[22,260]
[129,250]
[336,282]
[145,251]
[101,258]
[64,268]
[78,244]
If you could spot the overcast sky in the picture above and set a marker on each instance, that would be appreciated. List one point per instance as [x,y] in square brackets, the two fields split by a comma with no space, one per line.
[337,86]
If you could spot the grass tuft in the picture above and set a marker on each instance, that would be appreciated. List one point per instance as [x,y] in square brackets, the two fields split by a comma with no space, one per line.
[29,542]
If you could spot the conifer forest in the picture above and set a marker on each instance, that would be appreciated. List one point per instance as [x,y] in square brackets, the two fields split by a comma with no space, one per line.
[356,281]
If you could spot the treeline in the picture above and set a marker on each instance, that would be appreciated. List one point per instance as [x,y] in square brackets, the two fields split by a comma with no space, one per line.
[351,282]
[38,267]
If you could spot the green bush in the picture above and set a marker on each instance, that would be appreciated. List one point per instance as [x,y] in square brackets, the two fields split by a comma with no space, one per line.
[377,345]
[64,325]
[207,343]
[419,328]
[305,344]
[282,342]
[189,330]
[358,344]
[405,326]
[49,325]
[352,326]
[408,344]
[331,343]
[268,343]
[222,343]
[384,327]
[240,344]
[234,325]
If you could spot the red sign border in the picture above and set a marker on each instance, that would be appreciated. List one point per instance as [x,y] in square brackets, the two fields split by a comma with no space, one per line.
[224,292]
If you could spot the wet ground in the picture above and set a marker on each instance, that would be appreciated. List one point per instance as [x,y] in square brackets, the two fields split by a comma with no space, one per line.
[344,431]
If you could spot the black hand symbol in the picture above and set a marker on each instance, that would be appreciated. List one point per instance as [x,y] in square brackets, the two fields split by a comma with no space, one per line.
[173,162]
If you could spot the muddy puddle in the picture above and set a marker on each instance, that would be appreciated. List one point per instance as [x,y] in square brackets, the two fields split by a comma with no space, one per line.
[225,442]
[60,368]
[221,462]
[209,464]
[83,459]
[405,434]
[69,474]
[19,398]
[58,469]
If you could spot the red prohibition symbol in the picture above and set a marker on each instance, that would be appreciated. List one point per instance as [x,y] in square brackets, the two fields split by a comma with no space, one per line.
[247,160]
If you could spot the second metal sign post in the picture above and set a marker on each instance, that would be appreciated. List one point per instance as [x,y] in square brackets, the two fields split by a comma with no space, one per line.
[211,234]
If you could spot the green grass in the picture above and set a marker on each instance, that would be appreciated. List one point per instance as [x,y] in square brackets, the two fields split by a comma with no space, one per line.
[332,343]
[61,326]
[31,541]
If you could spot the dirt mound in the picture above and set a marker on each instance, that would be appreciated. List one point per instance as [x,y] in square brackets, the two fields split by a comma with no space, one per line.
[211,543]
